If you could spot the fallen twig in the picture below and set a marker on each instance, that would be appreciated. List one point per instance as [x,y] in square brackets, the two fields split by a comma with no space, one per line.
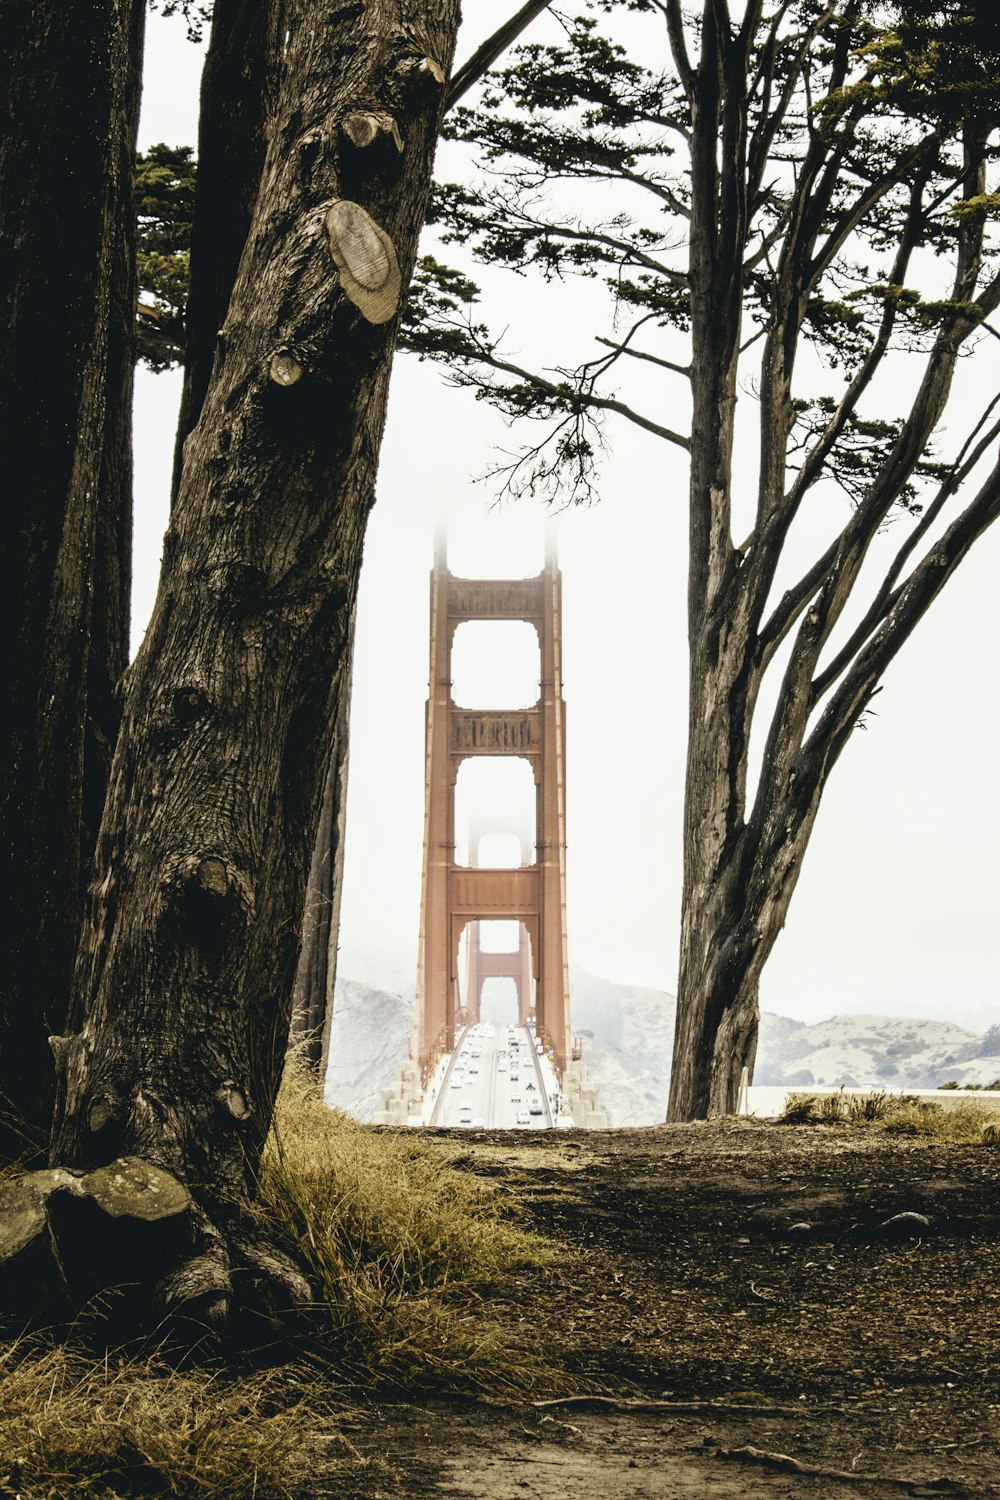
[640,1404]
[939,1486]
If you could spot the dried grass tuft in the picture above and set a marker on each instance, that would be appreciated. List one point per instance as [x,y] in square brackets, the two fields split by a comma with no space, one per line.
[77,1428]
[906,1114]
[403,1247]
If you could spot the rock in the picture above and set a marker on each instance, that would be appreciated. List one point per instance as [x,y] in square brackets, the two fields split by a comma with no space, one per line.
[800,1230]
[905,1226]
[30,1281]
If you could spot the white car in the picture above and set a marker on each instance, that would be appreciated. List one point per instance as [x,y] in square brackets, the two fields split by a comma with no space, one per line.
[501,1065]
[457,1081]
[523,1117]
[535,1107]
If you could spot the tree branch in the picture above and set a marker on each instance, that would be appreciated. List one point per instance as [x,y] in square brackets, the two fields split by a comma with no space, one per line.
[678,46]
[567,395]
[653,359]
[911,603]
[485,56]
[888,593]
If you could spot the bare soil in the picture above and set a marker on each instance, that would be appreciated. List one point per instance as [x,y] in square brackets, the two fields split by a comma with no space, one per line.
[723,1288]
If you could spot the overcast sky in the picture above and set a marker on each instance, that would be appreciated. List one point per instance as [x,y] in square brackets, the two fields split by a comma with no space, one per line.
[895,909]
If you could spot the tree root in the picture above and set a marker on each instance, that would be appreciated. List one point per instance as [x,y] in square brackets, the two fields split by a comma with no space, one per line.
[127,1246]
[941,1485]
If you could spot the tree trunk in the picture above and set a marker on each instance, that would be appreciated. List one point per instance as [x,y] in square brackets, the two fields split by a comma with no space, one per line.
[316,975]
[69,77]
[186,969]
[238,98]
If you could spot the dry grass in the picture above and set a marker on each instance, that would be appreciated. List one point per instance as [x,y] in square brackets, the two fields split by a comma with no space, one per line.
[403,1247]
[966,1120]
[76,1428]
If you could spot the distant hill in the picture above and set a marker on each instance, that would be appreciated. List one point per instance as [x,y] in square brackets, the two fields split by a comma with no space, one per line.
[369,1038]
[627,1034]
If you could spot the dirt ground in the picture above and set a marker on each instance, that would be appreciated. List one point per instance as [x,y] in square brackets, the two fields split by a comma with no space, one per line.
[738,1319]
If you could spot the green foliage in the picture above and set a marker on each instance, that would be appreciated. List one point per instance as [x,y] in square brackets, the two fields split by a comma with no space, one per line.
[164,198]
[196,13]
[583,146]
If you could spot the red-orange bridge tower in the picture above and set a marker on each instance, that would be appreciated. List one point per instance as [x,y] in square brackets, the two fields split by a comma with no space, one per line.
[533,893]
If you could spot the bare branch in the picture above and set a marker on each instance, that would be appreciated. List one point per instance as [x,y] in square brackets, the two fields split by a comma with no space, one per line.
[888,593]
[911,603]
[653,359]
[584,398]
[678,46]
[485,56]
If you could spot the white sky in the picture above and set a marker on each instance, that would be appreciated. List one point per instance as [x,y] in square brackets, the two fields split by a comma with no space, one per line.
[895,909]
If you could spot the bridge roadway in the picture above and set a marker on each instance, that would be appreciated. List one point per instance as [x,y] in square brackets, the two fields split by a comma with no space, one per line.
[493,1081]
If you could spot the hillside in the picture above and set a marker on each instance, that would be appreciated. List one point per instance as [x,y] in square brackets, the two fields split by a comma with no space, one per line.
[369,1038]
[627,1034]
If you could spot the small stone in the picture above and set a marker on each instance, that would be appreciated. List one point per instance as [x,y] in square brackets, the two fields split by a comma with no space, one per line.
[800,1229]
[905,1226]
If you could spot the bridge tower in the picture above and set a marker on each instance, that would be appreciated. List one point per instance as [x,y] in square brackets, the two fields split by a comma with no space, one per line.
[534,893]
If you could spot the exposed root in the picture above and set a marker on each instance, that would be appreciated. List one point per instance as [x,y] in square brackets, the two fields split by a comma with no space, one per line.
[69,1239]
[940,1485]
[273,1294]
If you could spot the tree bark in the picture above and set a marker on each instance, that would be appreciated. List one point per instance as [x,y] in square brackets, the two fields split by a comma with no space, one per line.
[238,98]
[185,973]
[69,77]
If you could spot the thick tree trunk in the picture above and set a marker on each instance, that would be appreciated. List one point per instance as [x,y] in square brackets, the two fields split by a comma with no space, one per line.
[186,970]
[69,79]
[238,99]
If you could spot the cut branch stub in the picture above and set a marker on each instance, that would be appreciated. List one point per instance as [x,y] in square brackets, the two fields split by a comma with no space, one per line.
[362,126]
[284,368]
[230,1098]
[366,259]
[133,1188]
[213,876]
[103,1112]
[425,68]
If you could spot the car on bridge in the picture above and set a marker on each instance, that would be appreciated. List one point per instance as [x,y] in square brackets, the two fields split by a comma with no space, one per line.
[535,1107]
[523,1117]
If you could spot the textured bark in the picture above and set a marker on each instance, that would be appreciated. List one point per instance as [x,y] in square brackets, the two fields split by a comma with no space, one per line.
[185,974]
[741,863]
[238,98]
[69,82]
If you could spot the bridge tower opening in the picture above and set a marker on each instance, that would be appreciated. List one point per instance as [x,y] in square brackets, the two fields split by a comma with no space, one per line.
[530,890]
